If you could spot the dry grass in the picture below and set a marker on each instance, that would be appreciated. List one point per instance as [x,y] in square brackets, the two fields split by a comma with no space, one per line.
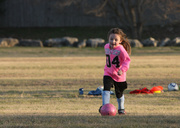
[42,90]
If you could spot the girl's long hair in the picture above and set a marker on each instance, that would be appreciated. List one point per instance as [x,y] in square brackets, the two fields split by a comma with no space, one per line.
[125,41]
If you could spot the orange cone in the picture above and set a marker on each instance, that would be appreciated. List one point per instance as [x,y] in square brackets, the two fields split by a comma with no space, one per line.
[157,89]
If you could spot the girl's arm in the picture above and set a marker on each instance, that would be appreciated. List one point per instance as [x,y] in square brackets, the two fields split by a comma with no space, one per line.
[125,60]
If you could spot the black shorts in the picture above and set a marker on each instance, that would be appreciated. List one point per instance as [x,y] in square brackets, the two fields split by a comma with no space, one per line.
[119,86]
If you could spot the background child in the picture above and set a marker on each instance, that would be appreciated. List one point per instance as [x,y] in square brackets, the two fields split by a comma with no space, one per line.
[117,63]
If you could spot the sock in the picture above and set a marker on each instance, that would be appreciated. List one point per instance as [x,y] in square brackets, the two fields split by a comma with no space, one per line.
[105,97]
[121,102]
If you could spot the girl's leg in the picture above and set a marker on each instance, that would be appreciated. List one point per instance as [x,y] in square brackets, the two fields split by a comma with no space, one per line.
[105,97]
[108,83]
[121,102]
[119,88]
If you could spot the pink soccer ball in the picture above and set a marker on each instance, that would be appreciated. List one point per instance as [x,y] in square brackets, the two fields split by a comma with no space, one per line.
[108,110]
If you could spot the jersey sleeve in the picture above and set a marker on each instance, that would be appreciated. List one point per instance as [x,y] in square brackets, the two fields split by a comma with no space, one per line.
[125,59]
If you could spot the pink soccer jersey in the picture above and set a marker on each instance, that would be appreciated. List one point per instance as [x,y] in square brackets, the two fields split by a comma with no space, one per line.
[116,59]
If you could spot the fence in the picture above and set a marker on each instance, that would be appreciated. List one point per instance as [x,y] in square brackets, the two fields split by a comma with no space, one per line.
[47,13]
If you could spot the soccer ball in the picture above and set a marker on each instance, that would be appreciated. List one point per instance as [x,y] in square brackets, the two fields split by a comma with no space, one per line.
[108,110]
[173,87]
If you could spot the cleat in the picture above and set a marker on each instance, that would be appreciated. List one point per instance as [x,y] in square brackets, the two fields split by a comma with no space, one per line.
[121,112]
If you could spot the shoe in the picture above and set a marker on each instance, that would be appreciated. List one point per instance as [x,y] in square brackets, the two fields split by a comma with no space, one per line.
[121,112]
[100,109]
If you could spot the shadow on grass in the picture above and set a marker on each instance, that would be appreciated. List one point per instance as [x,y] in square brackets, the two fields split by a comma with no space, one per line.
[97,121]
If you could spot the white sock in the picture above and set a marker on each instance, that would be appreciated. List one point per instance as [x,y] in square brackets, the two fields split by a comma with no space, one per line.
[121,102]
[105,97]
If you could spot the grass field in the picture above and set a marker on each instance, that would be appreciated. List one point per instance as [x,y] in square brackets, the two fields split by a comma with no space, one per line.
[39,88]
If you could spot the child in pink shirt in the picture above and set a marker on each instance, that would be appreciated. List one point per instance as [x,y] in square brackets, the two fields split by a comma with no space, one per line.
[117,63]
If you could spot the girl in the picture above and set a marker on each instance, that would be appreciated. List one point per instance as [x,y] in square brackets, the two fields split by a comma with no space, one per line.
[117,64]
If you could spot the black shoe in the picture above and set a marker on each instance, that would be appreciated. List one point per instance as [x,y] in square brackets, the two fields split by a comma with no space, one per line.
[121,112]
[100,109]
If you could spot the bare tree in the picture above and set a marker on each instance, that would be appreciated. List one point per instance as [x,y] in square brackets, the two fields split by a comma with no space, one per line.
[131,14]
[166,9]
